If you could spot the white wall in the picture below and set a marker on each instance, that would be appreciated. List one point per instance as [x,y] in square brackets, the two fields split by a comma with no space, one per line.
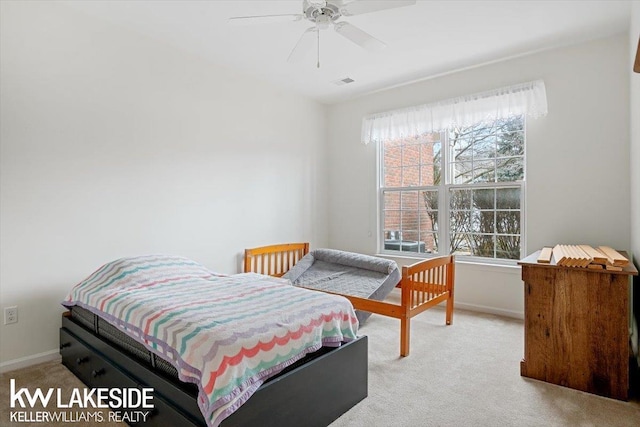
[577,159]
[113,144]
[634,34]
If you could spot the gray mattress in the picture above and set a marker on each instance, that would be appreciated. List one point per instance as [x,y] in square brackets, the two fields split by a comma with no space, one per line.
[346,273]
[113,335]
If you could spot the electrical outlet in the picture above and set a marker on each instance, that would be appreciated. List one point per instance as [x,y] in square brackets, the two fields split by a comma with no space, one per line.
[10,315]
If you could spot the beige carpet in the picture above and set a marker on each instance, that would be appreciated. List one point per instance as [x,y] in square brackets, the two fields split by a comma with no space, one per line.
[467,374]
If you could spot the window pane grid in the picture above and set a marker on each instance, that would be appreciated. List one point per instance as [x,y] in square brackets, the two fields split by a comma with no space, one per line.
[408,224]
[482,229]
[483,190]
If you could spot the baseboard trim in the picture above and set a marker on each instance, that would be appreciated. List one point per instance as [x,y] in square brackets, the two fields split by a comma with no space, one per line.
[24,362]
[53,355]
[490,310]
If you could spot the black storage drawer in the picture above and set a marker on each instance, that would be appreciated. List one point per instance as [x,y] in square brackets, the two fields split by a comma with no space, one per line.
[96,372]
[75,356]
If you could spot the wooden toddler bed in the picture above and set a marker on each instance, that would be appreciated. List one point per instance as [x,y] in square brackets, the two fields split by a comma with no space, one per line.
[423,285]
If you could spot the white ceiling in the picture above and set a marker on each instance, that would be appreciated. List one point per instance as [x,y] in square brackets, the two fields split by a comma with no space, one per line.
[427,39]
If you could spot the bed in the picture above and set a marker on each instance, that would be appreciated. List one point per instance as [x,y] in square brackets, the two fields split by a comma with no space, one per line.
[423,284]
[136,322]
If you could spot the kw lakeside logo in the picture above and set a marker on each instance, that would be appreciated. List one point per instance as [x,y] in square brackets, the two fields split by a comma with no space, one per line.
[129,404]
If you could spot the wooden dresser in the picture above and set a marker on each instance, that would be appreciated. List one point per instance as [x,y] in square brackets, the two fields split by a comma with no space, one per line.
[576,326]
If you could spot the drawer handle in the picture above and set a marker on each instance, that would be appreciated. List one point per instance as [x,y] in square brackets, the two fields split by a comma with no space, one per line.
[65,345]
[97,372]
[81,360]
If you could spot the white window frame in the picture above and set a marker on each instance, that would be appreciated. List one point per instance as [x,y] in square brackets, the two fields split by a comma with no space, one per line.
[444,189]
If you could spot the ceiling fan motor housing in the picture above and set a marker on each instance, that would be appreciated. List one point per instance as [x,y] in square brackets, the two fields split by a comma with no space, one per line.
[322,13]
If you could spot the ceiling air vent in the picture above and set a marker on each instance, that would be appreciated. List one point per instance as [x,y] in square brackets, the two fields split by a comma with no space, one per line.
[344,81]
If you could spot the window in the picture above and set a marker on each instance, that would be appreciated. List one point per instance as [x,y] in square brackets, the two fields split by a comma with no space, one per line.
[457,191]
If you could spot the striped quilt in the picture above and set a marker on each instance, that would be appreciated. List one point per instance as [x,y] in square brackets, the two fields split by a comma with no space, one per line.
[227,334]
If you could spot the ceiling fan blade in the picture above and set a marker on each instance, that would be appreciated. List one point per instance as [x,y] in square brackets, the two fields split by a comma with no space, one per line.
[358,36]
[359,7]
[317,3]
[305,45]
[264,19]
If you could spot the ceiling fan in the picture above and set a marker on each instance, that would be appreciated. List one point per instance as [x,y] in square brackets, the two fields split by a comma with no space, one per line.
[324,14]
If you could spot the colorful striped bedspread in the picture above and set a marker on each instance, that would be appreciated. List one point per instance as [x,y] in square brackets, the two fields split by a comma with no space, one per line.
[228,334]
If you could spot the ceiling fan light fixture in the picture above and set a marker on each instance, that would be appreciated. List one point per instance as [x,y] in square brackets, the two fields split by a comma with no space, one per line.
[323,22]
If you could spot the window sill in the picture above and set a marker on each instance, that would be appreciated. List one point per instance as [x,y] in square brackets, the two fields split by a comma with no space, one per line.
[506,265]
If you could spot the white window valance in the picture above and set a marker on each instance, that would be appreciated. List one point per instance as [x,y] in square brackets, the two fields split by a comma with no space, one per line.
[528,99]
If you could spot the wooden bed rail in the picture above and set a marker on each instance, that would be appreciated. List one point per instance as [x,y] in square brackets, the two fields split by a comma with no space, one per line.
[426,281]
[274,260]
[424,284]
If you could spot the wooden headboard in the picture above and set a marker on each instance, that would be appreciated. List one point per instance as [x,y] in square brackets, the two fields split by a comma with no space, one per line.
[274,260]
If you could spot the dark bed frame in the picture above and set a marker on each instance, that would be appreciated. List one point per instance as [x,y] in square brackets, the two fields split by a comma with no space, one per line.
[313,394]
